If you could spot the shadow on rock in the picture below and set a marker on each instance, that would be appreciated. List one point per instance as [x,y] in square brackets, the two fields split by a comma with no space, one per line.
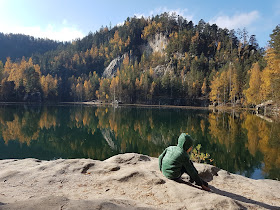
[209,173]
[242,198]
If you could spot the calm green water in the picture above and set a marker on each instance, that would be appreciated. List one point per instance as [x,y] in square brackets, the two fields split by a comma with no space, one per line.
[241,143]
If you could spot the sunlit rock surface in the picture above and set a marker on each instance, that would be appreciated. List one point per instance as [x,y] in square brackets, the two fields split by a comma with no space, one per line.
[126,181]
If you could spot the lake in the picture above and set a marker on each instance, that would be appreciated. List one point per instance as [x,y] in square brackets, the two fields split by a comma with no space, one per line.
[239,142]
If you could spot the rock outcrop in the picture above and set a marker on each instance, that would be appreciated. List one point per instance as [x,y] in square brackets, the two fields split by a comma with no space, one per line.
[111,70]
[157,43]
[160,70]
[125,181]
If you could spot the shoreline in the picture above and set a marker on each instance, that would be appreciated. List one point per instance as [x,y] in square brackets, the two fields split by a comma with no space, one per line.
[133,105]
[268,118]
[221,108]
[125,181]
[136,105]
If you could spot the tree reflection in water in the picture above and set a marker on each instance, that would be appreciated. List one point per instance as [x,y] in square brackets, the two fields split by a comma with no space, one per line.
[238,142]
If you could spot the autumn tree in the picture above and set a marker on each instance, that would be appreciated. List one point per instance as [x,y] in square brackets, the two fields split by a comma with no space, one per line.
[104,89]
[31,80]
[204,87]
[88,90]
[224,87]
[152,90]
[15,72]
[151,29]
[94,81]
[114,88]
[24,75]
[215,87]
[117,44]
[1,70]
[80,91]
[253,92]
[49,85]
[271,74]
[1,77]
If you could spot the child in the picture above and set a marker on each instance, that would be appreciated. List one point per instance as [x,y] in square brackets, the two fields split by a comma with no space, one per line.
[174,161]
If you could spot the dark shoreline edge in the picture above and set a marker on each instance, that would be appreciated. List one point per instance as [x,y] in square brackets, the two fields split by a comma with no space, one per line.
[214,109]
[223,108]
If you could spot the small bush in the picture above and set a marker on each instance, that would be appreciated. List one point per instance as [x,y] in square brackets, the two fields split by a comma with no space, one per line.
[200,157]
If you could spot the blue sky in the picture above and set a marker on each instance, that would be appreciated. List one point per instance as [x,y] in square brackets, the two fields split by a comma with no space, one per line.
[68,19]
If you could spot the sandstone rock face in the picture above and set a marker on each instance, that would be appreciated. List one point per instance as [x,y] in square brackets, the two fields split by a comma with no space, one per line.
[111,70]
[125,181]
[156,44]
[162,69]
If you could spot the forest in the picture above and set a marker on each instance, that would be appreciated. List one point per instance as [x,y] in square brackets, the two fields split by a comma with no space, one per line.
[16,46]
[163,59]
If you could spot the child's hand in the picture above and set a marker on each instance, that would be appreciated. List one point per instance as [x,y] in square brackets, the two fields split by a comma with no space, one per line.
[205,188]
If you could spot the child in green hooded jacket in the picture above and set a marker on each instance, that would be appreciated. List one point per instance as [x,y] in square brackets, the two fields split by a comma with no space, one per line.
[174,161]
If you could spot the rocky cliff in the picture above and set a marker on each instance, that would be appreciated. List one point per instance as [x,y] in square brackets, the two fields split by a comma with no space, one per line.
[157,43]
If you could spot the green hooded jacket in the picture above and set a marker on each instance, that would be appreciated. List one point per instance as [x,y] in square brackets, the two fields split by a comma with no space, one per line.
[175,159]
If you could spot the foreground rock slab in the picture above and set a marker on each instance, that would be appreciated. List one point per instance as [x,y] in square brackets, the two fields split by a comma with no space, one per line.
[126,181]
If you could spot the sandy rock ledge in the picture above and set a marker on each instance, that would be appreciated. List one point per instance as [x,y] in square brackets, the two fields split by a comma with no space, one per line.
[126,181]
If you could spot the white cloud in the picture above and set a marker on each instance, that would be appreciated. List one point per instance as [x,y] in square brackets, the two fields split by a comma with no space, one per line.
[139,15]
[2,3]
[237,21]
[160,10]
[120,24]
[64,22]
[64,33]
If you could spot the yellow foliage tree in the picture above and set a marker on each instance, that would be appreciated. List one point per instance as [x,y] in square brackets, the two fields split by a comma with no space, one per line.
[252,94]
[271,77]
[215,89]
[79,91]
[88,90]
[114,87]
[203,88]
[233,83]
[49,85]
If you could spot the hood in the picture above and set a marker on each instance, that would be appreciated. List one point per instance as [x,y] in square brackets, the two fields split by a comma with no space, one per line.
[185,141]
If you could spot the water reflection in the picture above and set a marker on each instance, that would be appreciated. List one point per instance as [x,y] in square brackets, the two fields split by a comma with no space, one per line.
[238,142]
